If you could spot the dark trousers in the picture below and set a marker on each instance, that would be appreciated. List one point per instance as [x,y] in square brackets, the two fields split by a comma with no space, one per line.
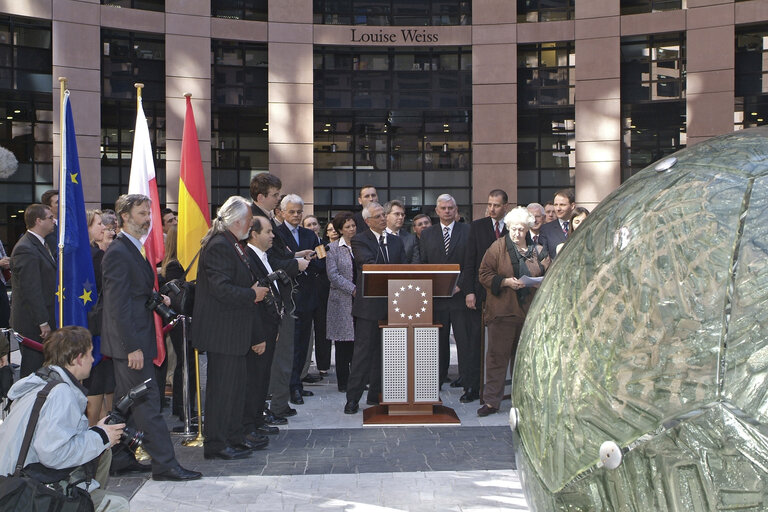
[300,347]
[224,401]
[258,369]
[145,414]
[282,365]
[448,318]
[177,339]
[31,361]
[366,361]
[5,306]
[503,335]
[322,345]
[344,352]
[468,349]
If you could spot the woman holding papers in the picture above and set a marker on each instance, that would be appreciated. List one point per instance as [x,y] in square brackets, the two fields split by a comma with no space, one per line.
[511,271]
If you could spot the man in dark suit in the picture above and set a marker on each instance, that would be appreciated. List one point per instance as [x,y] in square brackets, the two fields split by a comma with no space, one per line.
[269,315]
[538,215]
[128,332]
[555,233]
[371,245]
[265,192]
[50,198]
[482,233]
[395,212]
[366,195]
[34,282]
[299,239]
[446,242]
[5,306]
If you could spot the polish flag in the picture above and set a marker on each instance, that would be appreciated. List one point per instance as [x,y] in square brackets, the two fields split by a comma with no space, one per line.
[143,181]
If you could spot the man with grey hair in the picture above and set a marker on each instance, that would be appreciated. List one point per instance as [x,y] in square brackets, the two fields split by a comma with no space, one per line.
[442,243]
[372,245]
[299,239]
[128,333]
[395,212]
[538,215]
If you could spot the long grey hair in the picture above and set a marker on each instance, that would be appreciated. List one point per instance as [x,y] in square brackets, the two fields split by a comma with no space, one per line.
[233,209]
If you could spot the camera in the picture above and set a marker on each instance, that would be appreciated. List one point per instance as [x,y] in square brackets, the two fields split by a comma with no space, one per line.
[131,437]
[155,303]
[277,275]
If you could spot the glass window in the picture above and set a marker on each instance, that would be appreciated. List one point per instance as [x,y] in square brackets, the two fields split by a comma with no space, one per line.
[544,10]
[751,75]
[392,12]
[642,6]
[255,10]
[147,5]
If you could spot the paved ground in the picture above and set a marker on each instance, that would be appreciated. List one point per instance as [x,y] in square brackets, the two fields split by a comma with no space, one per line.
[325,460]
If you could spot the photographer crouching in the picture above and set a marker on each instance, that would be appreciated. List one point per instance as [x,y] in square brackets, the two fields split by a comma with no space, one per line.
[62,445]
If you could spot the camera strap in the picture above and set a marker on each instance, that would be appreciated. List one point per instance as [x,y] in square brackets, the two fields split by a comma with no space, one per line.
[191,264]
[34,416]
[241,253]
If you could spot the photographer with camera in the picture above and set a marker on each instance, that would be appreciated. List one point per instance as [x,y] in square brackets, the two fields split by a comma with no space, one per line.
[62,439]
[128,330]
[226,300]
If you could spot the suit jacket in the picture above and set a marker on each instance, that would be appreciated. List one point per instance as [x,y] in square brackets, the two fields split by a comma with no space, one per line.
[127,284]
[481,236]
[267,318]
[307,296]
[432,250]
[52,241]
[34,282]
[365,248]
[550,236]
[359,221]
[224,307]
[280,253]
[411,244]
[340,267]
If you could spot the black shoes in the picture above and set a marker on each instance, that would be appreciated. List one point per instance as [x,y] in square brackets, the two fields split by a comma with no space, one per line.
[351,407]
[304,392]
[271,418]
[228,453]
[177,474]
[254,441]
[133,468]
[486,410]
[296,397]
[287,413]
[266,430]
[470,395]
[457,383]
[312,379]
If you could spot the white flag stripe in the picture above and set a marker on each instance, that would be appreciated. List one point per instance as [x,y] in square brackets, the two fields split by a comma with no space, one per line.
[142,161]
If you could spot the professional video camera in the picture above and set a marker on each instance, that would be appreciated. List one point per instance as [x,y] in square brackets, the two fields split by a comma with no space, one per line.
[131,437]
[155,303]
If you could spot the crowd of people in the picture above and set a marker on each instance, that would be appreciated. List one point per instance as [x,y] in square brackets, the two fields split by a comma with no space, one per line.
[270,280]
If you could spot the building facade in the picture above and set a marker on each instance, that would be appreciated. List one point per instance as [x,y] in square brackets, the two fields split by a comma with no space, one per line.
[416,97]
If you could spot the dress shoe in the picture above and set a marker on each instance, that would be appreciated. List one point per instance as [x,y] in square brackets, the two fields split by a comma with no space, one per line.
[457,383]
[311,379]
[177,474]
[296,397]
[287,413]
[265,430]
[470,395]
[486,410]
[371,401]
[304,392]
[351,407]
[229,453]
[342,389]
[272,419]
[323,373]
[133,468]
[254,441]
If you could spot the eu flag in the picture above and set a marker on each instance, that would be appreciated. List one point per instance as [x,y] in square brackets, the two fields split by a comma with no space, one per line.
[77,282]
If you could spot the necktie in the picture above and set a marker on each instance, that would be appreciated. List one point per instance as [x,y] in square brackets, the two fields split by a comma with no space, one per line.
[446,238]
[497,230]
[535,239]
[296,235]
[383,248]
[143,252]
[565,228]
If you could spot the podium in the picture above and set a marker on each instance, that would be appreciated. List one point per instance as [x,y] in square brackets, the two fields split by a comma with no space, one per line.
[410,348]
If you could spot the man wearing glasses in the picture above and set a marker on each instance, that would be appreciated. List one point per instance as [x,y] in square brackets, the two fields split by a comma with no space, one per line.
[33,281]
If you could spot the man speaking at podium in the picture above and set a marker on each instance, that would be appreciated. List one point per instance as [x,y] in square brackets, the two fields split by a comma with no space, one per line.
[375,246]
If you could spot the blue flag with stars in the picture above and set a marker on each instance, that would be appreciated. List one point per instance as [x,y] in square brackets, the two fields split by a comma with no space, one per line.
[77,286]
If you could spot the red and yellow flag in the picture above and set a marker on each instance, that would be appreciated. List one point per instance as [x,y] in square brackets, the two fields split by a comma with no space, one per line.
[194,212]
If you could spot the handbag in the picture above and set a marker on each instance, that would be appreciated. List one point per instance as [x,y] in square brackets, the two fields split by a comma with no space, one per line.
[182,292]
[20,492]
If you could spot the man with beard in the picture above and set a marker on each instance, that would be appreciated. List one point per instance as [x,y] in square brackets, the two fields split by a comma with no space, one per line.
[128,332]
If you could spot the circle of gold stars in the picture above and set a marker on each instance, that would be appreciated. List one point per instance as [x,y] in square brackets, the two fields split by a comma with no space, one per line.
[410,315]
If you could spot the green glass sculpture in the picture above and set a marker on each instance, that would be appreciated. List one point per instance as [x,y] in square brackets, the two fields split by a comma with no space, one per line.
[649,337]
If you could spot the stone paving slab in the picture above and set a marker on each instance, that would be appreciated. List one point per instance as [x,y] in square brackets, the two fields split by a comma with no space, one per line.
[461,491]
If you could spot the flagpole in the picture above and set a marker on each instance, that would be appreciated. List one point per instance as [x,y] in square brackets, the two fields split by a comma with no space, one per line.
[62,185]
[139,86]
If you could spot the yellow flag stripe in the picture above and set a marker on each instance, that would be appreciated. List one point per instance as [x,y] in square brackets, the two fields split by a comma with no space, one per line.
[191,229]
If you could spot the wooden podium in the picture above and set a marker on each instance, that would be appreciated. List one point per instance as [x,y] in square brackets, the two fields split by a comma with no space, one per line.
[410,353]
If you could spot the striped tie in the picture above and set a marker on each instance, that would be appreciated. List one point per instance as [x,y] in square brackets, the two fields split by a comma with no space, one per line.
[143,252]
[446,238]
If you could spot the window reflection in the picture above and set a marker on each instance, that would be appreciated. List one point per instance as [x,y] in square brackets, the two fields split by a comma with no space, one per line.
[255,10]
[392,12]
[751,108]
[544,10]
